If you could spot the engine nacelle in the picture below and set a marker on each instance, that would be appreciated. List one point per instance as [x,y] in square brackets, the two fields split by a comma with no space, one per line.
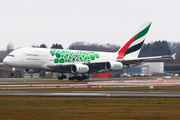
[32,70]
[111,65]
[79,68]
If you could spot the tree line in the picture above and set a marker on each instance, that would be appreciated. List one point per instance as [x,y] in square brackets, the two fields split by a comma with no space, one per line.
[156,48]
[54,46]
[94,47]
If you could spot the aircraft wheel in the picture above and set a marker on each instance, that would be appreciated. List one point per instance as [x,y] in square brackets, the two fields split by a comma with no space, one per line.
[80,79]
[70,78]
[64,76]
[60,78]
[13,74]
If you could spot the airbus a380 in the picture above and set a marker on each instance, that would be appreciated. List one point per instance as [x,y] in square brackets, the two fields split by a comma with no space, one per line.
[33,60]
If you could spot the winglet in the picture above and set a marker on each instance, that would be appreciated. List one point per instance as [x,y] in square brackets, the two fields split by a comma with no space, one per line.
[169,56]
[174,56]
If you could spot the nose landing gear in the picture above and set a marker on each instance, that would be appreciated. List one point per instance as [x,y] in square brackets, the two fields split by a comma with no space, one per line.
[13,74]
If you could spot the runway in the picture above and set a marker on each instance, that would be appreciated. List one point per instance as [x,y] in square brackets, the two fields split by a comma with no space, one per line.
[69,84]
[93,94]
[42,84]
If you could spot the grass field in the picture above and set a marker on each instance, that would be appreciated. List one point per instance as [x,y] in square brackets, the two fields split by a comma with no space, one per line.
[88,108]
[74,108]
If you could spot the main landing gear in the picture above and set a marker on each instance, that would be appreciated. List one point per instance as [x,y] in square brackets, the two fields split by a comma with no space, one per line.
[76,77]
[79,78]
[62,77]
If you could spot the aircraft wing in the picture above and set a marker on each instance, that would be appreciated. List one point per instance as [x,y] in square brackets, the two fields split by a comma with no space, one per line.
[66,67]
[100,66]
[139,61]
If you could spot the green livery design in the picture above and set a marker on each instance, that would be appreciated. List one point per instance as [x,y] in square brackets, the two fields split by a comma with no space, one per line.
[65,56]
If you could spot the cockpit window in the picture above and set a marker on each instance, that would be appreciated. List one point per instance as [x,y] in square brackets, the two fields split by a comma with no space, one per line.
[11,55]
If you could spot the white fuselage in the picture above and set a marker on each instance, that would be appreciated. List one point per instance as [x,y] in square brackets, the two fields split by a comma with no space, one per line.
[38,58]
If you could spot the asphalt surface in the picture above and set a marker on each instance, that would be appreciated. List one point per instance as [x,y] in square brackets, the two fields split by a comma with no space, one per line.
[45,84]
[92,94]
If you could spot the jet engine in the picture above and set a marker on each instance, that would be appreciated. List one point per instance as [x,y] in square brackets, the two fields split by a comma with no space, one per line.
[79,68]
[111,65]
[32,70]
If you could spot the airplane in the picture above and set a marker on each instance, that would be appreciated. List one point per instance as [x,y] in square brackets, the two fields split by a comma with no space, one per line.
[33,60]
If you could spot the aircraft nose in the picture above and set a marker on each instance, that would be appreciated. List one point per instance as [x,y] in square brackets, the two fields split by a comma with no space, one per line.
[6,61]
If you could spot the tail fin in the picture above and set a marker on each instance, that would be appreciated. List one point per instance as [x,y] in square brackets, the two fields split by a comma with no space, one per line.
[134,45]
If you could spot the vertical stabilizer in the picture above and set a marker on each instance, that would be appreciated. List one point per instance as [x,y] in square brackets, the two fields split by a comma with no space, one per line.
[134,45]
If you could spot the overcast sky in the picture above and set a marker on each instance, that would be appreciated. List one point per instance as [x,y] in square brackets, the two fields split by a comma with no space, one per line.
[34,22]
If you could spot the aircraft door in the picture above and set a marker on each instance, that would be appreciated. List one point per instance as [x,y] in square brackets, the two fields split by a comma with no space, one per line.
[21,57]
[44,58]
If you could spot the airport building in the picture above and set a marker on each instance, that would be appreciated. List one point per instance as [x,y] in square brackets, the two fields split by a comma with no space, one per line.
[147,68]
[5,71]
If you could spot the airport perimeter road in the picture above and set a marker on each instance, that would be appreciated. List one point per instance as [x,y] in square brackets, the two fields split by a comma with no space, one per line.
[92,94]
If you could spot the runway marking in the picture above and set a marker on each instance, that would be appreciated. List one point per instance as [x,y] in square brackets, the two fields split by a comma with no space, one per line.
[93,94]
[114,83]
[135,83]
